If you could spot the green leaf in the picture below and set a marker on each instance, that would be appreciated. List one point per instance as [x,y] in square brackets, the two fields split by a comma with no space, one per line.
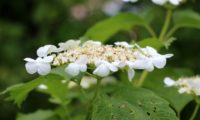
[186,18]
[129,103]
[155,83]
[38,115]
[153,42]
[18,93]
[57,90]
[105,29]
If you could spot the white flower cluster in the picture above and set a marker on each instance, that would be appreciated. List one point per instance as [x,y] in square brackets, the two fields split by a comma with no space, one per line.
[93,56]
[189,85]
[160,2]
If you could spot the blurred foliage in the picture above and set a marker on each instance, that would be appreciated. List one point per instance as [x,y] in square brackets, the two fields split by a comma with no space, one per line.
[27,24]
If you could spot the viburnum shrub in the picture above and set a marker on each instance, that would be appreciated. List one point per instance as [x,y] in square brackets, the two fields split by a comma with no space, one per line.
[90,79]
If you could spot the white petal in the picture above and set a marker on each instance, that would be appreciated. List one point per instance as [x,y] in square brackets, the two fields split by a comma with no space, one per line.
[82,67]
[174,2]
[91,42]
[159,2]
[102,71]
[29,60]
[131,74]
[151,51]
[111,67]
[45,50]
[169,82]
[72,69]
[48,59]
[168,55]
[119,64]
[143,64]
[82,60]
[123,44]
[183,90]
[159,61]
[52,49]
[69,44]
[43,68]
[31,67]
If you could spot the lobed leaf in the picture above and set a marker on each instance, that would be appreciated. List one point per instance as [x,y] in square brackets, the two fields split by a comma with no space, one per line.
[18,93]
[129,103]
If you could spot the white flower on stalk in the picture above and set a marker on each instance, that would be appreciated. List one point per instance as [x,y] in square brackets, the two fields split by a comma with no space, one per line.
[130,1]
[189,85]
[40,65]
[124,44]
[45,50]
[91,42]
[152,58]
[162,2]
[104,68]
[69,45]
[78,66]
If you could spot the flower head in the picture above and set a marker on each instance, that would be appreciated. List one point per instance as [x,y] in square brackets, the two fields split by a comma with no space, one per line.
[40,65]
[189,85]
[101,59]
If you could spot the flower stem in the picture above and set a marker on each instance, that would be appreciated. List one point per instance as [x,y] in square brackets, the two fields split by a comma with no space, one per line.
[166,25]
[151,31]
[142,78]
[93,99]
[195,112]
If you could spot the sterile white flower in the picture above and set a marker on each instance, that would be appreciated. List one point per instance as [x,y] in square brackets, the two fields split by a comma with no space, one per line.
[130,0]
[42,86]
[169,82]
[78,66]
[104,68]
[152,56]
[40,65]
[69,44]
[162,2]
[130,64]
[123,44]
[91,42]
[45,50]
